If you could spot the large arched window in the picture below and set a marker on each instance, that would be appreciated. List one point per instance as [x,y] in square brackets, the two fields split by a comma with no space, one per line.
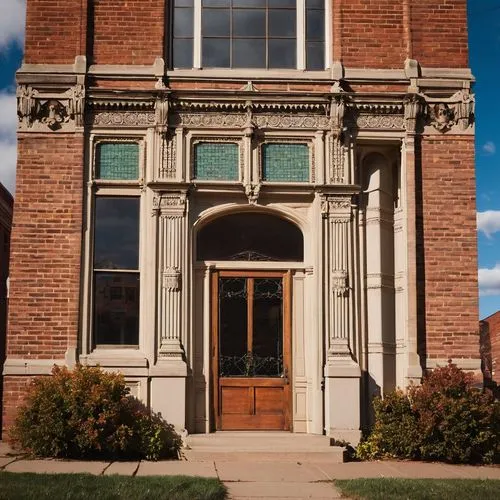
[250,237]
[267,34]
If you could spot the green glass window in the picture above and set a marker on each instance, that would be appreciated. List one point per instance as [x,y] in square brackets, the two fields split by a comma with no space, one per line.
[285,162]
[117,161]
[216,161]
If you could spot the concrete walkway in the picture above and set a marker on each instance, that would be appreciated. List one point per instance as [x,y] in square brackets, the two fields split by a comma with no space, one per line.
[253,479]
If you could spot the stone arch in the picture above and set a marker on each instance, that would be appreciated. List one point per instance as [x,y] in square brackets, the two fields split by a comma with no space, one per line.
[248,234]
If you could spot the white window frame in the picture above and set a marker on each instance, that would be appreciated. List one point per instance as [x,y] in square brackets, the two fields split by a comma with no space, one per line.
[109,188]
[300,39]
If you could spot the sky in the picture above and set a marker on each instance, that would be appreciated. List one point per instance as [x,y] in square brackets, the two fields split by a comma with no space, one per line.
[484,44]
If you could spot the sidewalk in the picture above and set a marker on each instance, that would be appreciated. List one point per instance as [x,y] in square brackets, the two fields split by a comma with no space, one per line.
[253,479]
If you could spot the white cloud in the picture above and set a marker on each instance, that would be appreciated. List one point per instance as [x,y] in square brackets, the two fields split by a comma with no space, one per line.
[8,153]
[12,18]
[489,281]
[488,222]
[489,148]
[8,115]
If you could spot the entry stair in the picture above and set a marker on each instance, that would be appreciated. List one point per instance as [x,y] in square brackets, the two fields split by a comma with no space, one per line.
[261,446]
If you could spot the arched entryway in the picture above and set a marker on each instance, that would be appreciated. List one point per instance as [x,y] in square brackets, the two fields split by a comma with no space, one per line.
[251,318]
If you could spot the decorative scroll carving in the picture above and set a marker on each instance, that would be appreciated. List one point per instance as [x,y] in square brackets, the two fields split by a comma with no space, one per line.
[168,167]
[339,282]
[171,279]
[52,109]
[240,120]
[122,119]
[155,210]
[208,120]
[291,121]
[386,122]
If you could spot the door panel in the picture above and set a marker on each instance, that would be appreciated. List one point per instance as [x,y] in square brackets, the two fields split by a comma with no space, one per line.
[251,350]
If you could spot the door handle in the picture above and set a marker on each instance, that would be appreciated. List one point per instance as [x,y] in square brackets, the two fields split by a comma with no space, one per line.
[285,376]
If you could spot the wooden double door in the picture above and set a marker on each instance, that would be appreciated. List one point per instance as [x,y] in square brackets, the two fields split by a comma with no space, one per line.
[251,323]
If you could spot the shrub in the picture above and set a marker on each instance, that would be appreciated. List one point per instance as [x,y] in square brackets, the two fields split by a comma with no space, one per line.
[445,419]
[88,413]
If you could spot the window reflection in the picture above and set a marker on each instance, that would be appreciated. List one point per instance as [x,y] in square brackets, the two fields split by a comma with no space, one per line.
[116,236]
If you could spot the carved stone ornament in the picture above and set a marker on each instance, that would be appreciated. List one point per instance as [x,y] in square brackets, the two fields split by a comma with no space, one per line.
[339,282]
[337,152]
[337,112]
[168,168]
[171,279]
[39,110]
[139,119]
[252,192]
[161,112]
[53,113]
[292,121]
[209,120]
[413,109]
[386,122]
[457,110]
[442,117]
[337,208]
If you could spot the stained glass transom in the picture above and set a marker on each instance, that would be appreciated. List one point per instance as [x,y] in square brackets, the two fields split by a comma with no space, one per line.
[117,161]
[285,162]
[216,161]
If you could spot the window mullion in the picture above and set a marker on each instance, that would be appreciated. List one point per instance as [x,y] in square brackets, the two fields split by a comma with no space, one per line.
[328,34]
[197,35]
[301,34]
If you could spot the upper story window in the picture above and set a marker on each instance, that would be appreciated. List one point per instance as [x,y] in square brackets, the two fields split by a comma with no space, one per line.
[267,34]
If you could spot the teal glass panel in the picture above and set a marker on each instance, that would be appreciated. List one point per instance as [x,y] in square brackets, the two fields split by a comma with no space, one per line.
[117,161]
[216,161]
[285,162]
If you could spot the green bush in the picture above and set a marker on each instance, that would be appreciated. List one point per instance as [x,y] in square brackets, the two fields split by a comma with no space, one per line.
[444,419]
[88,413]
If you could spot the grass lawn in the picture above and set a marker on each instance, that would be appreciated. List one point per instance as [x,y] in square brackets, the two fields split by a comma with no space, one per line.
[88,487]
[420,489]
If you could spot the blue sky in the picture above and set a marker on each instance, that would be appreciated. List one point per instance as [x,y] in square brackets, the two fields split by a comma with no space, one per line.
[484,38]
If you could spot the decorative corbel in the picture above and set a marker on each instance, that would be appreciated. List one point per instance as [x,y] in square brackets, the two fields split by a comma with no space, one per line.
[26,104]
[464,109]
[413,109]
[252,192]
[76,104]
[161,113]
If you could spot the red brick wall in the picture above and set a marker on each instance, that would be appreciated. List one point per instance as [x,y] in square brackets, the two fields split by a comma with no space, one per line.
[128,31]
[46,247]
[14,392]
[55,31]
[448,252]
[372,33]
[439,33]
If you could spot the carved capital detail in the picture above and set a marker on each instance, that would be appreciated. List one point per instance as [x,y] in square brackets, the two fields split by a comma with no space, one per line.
[173,204]
[413,110]
[336,208]
[171,279]
[339,282]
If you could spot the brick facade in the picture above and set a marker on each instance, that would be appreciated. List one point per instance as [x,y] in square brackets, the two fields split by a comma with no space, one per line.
[391,67]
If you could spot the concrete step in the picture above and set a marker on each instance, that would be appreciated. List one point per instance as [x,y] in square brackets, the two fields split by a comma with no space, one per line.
[261,446]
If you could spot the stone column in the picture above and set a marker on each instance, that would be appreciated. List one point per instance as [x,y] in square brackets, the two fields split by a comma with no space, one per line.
[168,382]
[342,373]
[413,110]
